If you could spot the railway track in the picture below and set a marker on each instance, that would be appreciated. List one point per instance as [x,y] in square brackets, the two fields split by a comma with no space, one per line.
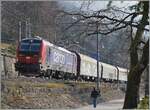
[66,82]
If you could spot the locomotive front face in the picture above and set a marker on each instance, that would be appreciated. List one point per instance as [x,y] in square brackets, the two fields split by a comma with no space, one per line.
[28,55]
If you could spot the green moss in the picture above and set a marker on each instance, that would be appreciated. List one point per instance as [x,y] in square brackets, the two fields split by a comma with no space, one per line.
[11,49]
[144,103]
[8,48]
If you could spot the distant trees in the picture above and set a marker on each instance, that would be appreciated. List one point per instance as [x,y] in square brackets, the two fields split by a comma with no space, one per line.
[114,19]
[48,21]
[42,16]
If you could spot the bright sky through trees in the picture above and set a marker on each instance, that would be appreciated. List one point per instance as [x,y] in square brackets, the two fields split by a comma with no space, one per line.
[96,5]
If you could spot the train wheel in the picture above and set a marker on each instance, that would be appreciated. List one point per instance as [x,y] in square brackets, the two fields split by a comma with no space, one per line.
[43,75]
[65,76]
[49,74]
[52,74]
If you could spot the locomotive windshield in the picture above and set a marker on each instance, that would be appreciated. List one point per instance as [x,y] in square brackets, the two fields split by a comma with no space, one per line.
[30,47]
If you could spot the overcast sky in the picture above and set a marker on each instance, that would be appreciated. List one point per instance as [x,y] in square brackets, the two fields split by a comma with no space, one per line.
[96,5]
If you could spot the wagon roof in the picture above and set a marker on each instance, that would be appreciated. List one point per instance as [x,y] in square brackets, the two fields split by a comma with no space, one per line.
[122,69]
[108,65]
[87,57]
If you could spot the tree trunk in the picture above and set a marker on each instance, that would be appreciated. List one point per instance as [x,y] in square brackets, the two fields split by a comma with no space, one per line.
[147,82]
[134,77]
[132,94]
[136,66]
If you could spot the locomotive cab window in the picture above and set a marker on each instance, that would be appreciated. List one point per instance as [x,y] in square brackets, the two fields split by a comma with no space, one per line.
[30,46]
[35,47]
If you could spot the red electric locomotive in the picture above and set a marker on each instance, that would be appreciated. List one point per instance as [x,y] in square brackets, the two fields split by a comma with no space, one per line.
[30,55]
[38,57]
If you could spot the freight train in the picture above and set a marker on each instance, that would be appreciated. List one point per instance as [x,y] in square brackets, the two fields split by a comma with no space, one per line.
[38,57]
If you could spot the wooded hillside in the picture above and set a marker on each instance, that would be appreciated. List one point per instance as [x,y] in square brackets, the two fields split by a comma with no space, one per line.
[46,22]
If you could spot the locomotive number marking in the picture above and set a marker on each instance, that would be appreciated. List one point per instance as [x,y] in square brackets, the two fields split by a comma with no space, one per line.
[59,58]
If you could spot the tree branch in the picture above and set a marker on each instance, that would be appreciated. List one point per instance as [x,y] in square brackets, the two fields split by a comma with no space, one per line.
[109,18]
[106,33]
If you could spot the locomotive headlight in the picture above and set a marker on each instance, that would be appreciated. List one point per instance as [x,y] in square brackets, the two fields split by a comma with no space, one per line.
[40,60]
[28,57]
